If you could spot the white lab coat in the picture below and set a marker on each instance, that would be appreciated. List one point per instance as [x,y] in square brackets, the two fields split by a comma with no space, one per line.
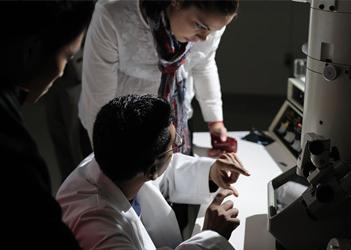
[101,217]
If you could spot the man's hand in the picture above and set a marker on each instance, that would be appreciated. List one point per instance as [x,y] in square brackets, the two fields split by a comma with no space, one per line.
[226,170]
[221,218]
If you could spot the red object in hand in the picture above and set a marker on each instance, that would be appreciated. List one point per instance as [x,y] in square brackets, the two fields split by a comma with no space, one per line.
[230,145]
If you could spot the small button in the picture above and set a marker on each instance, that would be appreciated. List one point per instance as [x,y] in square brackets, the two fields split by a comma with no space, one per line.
[289,137]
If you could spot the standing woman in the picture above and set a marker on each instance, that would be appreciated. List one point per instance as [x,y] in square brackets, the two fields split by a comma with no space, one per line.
[164,47]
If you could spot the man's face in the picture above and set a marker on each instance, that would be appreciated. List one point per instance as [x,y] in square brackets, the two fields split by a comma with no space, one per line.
[166,159]
[52,69]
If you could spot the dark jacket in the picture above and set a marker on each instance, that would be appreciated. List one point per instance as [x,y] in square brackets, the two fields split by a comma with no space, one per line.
[31,216]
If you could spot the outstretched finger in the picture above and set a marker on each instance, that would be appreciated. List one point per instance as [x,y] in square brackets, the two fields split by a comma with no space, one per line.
[235,191]
[236,158]
[218,199]
[232,164]
[227,205]
[225,181]
[233,212]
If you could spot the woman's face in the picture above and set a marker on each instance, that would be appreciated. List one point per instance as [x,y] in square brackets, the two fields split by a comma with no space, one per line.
[192,24]
[52,69]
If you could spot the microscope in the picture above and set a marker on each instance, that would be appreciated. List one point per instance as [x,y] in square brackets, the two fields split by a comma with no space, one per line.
[320,218]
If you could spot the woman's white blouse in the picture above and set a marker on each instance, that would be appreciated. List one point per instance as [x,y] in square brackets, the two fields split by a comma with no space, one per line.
[120,58]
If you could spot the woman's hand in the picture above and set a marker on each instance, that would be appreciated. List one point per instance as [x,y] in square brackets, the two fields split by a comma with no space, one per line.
[217,129]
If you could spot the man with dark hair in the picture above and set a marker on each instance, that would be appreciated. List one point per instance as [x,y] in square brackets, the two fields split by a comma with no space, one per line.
[38,38]
[116,199]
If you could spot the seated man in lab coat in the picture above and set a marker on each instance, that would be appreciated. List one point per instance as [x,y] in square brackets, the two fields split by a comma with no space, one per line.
[115,199]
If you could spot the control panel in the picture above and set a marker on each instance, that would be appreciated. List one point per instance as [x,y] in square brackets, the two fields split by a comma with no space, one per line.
[287,128]
[296,92]
[287,124]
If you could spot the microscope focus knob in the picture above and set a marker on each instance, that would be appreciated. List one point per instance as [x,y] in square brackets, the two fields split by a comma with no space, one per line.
[324,193]
[316,147]
[339,244]
[330,72]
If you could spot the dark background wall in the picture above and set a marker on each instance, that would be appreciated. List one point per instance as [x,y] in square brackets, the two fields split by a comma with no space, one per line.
[255,59]
[257,50]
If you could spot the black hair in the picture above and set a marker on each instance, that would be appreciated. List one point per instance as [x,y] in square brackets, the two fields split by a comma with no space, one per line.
[55,23]
[224,7]
[129,133]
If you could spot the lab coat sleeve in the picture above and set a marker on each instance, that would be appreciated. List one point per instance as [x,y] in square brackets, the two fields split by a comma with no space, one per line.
[100,64]
[96,229]
[206,240]
[206,80]
[187,179]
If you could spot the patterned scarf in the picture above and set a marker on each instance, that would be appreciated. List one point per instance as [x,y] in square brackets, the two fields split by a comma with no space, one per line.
[172,56]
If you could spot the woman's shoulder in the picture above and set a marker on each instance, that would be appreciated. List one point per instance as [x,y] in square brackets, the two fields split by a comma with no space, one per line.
[118,9]
[124,15]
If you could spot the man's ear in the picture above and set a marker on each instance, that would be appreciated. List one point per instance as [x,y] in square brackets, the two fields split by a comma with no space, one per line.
[151,172]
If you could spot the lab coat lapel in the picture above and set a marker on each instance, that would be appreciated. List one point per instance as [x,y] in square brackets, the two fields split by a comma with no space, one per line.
[158,217]
[120,203]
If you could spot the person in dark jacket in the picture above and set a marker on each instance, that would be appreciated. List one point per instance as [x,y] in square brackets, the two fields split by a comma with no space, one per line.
[37,40]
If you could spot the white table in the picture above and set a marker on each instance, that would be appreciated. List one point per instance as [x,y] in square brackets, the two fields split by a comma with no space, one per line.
[252,201]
